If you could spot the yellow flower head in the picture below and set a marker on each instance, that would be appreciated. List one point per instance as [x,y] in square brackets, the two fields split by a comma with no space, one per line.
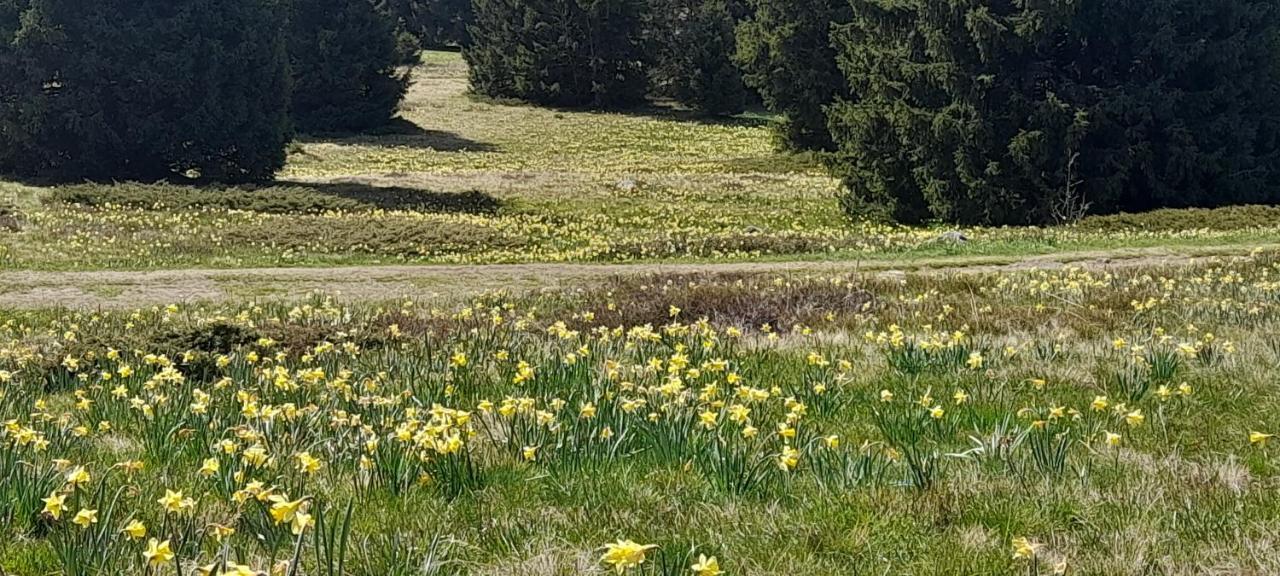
[625,554]
[157,552]
[85,518]
[706,566]
[1024,549]
[135,529]
[55,504]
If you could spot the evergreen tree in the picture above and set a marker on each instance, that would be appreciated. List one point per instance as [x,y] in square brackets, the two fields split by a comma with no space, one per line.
[143,89]
[692,46]
[785,51]
[435,23]
[558,52]
[1003,111]
[343,54]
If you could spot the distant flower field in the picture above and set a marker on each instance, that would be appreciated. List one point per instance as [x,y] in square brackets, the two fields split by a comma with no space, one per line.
[1070,422]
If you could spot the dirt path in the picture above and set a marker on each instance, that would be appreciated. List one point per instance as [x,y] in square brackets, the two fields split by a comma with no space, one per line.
[124,289]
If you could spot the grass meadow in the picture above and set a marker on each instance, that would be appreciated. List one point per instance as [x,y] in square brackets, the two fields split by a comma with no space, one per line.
[1039,422]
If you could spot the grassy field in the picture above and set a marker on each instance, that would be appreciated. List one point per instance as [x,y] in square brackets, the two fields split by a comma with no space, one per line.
[1018,423]
[467,181]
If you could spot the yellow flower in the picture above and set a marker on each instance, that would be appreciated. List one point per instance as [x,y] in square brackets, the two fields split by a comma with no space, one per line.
[55,504]
[937,412]
[530,453]
[788,459]
[238,570]
[832,441]
[708,419]
[175,502]
[1112,439]
[78,476]
[157,552]
[625,554]
[1135,418]
[1259,439]
[301,521]
[975,361]
[1099,403]
[135,529]
[706,566]
[307,463]
[1023,549]
[886,396]
[209,467]
[221,532]
[85,518]
[284,510]
[960,397]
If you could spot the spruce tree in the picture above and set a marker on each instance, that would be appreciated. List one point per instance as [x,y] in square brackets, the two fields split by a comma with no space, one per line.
[1007,112]
[785,51]
[344,56]
[692,46]
[435,23]
[570,53]
[143,89]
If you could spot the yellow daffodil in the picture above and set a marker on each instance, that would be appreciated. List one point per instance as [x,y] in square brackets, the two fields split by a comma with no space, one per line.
[706,566]
[625,554]
[157,552]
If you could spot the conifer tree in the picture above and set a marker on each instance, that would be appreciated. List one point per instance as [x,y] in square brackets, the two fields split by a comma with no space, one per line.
[1006,112]
[344,56]
[568,53]
[784,48]
[143,89]
[435,23]
[692,48]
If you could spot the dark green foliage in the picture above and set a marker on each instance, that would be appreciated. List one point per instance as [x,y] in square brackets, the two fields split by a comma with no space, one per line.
[692,44]
[435,23]
[143,89]
[1227,218]
[1008,112]
[568,53]
[343,55]
[284,199]
[785,52]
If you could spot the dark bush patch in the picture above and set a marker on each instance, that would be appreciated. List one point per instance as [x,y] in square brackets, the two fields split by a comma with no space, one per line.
[283,199]
[401,237]
[216,338]
[1227,218]
[743,300]
[10,218]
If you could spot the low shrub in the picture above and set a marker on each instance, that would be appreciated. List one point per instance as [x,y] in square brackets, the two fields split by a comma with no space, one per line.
[10,218]
[286,199]
[741,300]
[402,237]
[1226,218]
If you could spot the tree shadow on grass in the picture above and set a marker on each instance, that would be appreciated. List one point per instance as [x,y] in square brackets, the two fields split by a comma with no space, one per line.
[660,109]
[403,198]
[403,133]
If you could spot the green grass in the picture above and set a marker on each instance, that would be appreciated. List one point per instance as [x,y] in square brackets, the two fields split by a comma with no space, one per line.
[369,390]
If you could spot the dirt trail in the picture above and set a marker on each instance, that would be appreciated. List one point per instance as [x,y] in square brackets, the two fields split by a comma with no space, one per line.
[130,289]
